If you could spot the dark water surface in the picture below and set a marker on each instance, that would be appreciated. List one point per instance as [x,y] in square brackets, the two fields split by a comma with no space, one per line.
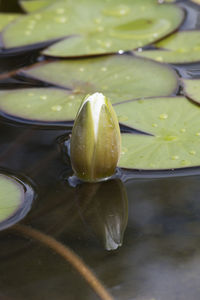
[160,256]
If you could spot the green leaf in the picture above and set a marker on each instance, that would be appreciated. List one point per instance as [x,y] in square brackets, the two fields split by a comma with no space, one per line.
[119,77]
[174,125]
[34,5]
[181,47]
[192,89]
[39,105]
[6,18]
[95,27]
[13,202]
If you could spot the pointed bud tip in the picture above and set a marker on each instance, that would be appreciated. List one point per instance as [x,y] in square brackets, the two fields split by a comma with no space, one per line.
[95,141]
[96,97]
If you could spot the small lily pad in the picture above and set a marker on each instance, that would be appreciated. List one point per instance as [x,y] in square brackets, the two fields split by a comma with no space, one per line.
[173,125]
[181,47]
[15,200]
[34,5]
[6,18]
[192,89]
[39,105]
[119,77]
[94,27]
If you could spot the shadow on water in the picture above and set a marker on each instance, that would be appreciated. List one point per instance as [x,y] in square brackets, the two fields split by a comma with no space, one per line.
[158,220]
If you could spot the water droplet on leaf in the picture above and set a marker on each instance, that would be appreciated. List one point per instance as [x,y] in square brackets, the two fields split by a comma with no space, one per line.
[192,152]
[175,157]
[163,116]
[56,108]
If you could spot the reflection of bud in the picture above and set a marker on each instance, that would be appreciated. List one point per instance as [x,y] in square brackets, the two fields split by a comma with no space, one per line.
[95,141]
[105,209]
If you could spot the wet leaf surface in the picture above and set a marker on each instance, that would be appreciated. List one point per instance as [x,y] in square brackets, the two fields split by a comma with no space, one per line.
[181,47]
[7,18]
[94,27]
[39,105]
[174,127]
[119,77]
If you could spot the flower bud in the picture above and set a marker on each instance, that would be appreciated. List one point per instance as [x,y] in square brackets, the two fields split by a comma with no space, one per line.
[95,141]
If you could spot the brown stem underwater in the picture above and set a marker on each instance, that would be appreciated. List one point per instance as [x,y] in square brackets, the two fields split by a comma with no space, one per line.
[69,256]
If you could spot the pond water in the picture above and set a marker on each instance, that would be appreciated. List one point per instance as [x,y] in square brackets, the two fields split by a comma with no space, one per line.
[160,255]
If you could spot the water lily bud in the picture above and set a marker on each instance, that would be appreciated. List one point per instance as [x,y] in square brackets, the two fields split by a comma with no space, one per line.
[95,141]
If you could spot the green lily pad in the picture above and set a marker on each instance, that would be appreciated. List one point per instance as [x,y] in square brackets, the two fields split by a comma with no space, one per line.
[39,105]
[6,18]
[181,47]
[94,27]
[192,89]
[119,77]
[15,200]
[174,127]
[34,5]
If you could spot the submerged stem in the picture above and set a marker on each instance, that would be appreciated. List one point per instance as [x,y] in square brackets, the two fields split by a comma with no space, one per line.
[69,256]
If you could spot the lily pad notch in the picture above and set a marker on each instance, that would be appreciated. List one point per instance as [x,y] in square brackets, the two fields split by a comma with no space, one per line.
[173,125]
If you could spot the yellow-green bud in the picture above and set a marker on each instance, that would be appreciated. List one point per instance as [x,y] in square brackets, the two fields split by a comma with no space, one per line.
[96,140]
